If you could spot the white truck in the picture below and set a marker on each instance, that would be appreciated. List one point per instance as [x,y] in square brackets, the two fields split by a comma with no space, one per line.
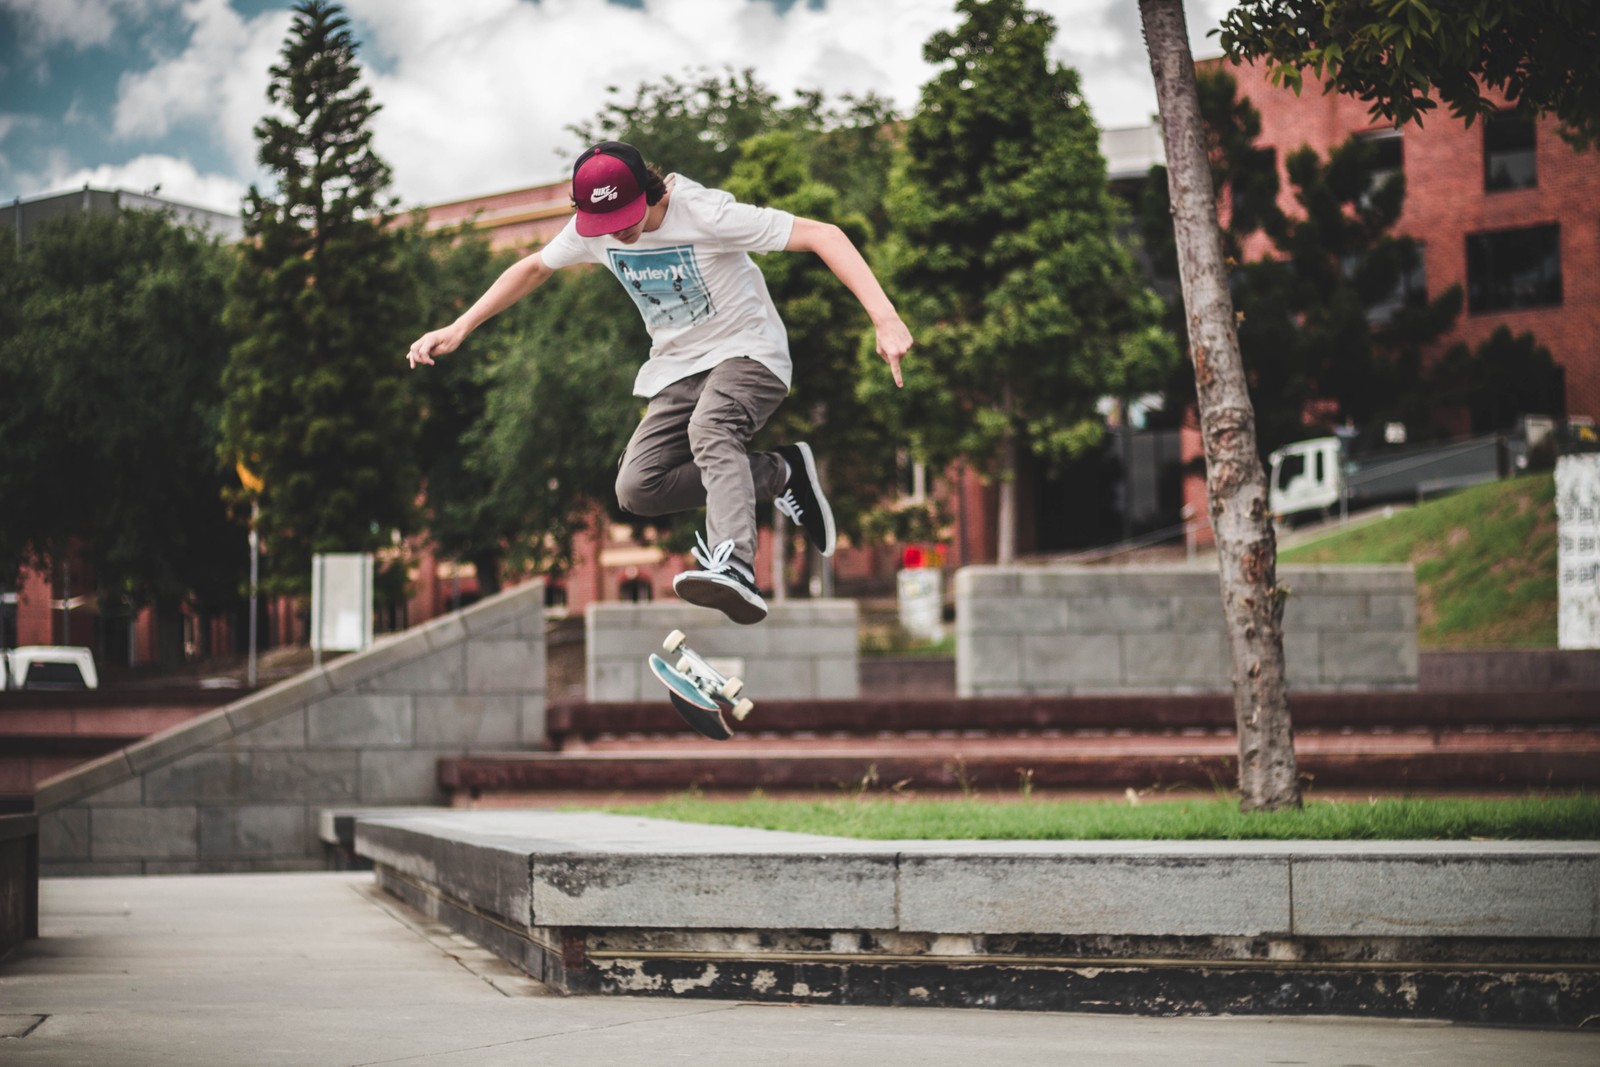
[1320,475]
[48,667]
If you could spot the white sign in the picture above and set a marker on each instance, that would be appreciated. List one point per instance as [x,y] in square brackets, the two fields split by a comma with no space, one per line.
[1578,554]
[341,601]
[921,603]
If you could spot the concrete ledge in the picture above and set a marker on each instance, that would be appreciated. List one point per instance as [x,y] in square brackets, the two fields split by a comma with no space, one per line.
[600,903]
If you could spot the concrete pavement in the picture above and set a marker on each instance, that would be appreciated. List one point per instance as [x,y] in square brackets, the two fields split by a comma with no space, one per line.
[321,969]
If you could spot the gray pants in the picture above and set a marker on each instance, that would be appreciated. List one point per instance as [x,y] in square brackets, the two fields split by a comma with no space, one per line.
[689,451]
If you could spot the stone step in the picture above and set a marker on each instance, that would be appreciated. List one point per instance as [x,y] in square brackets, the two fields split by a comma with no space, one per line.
[569,721]
[1471,761]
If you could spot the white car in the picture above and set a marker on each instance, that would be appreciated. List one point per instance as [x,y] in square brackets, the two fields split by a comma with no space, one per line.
[50,667]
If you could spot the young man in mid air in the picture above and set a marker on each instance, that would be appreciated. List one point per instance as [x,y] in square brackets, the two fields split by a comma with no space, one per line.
[719,357]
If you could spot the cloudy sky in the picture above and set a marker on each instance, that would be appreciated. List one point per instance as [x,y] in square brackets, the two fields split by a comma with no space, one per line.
[476,94]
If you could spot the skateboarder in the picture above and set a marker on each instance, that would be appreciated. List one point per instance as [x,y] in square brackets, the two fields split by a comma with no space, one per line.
[719,357]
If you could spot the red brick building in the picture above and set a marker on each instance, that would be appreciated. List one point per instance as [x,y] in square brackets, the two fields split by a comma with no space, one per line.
[1506,209]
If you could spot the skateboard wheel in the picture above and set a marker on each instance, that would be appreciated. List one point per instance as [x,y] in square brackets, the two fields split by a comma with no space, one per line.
[674,642]
[732,688]
[743,708]
[683,665]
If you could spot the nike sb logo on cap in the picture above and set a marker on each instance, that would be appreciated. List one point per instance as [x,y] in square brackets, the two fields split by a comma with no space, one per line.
[608,184]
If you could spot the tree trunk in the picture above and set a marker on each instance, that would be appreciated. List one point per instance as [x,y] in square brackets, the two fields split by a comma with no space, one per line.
[1006,521]
[169,633]
[487,566]
[1236,485]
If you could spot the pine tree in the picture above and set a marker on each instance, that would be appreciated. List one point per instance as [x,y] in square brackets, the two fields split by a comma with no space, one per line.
[326,304]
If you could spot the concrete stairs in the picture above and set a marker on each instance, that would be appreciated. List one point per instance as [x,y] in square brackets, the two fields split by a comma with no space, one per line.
[1482,740]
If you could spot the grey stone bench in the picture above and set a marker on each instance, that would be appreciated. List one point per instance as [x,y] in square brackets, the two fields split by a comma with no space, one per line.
[603,903]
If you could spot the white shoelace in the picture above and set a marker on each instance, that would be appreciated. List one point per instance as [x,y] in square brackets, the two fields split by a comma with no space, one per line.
[789,505]
[716,559]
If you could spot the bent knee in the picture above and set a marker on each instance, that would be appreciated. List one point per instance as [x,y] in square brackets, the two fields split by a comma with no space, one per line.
[637,494]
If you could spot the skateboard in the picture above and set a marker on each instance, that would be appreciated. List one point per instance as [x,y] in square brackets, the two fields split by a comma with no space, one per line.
[699,692]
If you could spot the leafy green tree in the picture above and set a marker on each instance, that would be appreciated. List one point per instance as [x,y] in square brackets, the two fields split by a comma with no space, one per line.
[700,128]
[1398,54]
[693,127]
[558,413]
[462,515]
[324,304]
[112,352]
[1026,304]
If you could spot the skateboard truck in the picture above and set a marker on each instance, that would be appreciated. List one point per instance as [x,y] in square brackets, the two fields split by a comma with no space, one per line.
[699,691]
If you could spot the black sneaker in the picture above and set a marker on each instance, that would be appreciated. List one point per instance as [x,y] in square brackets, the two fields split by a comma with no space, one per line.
[802,499]
[721,584]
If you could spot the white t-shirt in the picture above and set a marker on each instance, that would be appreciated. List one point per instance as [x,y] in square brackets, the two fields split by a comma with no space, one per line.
[702,297]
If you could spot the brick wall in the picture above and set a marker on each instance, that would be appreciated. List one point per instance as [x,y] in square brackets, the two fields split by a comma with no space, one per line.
[1446,201]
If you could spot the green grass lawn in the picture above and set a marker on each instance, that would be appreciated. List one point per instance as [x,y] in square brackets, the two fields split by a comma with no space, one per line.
[1485,561]
[1208,818]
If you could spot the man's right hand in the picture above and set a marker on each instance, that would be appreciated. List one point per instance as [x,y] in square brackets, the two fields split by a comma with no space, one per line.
[435,343]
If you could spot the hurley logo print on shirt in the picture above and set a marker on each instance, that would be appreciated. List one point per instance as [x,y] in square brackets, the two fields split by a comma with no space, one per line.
[666,283]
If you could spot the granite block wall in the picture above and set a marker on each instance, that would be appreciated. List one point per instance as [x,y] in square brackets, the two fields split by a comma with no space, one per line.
[804,649]
[1034,631]
[240,789]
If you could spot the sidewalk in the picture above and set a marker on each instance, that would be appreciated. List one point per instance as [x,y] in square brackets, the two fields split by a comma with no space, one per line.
[320,969]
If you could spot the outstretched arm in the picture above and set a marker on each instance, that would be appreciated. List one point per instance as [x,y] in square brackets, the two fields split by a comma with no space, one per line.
[836,250]
[516,282]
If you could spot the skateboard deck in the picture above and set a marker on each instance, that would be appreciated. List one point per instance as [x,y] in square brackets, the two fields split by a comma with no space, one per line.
[702,695]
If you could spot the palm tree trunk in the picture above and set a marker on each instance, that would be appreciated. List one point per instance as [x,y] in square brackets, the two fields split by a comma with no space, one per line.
[1235,482]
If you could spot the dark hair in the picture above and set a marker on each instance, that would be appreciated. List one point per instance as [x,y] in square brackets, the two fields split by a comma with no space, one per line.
[655,187]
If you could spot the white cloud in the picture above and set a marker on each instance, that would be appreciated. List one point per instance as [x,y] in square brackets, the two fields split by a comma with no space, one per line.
[219,81]
[175,179]
[477,95]
[79,23]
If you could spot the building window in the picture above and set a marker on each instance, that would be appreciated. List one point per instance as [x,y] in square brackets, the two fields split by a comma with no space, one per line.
[1409,288]
[1385,158]
[1508,159]
[1514,269]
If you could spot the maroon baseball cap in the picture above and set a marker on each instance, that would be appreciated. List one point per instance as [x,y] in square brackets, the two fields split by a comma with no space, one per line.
[608,188]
